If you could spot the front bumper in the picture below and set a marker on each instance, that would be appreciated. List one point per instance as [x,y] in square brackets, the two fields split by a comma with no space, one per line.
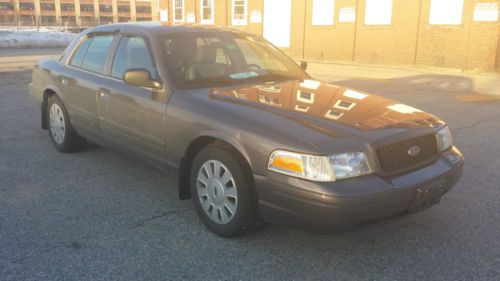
[337,206]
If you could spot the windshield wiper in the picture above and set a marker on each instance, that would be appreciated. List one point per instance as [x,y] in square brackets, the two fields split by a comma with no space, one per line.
[208,81]
[272,77]
[217,81]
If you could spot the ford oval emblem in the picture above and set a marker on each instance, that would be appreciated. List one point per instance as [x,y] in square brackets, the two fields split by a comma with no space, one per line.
[414,150]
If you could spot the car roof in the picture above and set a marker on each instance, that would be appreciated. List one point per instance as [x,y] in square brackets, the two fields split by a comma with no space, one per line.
[160,27]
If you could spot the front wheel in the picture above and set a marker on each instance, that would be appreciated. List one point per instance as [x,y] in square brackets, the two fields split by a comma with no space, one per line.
[223,191]
[63,135]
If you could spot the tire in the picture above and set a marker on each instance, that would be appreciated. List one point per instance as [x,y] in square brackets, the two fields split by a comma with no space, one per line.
[63,135]
[234,203]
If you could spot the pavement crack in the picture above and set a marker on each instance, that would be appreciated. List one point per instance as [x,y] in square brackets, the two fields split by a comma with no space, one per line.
[162,215]
[73,245]
[476,123]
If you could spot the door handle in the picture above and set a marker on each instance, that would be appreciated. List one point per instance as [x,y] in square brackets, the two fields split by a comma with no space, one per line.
[64,81]
[103,93]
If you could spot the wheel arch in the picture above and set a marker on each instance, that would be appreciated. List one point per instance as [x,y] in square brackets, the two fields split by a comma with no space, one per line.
[197,145]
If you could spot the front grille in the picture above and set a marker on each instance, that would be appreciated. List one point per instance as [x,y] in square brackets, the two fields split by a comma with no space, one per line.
[395,157]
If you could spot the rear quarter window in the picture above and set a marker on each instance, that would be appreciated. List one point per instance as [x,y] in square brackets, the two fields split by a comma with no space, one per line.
[77,58]
[96,54]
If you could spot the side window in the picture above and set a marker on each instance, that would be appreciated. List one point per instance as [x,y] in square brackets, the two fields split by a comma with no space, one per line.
[77,58]
[132,53]
[96,54]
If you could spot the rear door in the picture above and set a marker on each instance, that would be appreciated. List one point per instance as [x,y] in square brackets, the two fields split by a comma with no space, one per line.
[83,79]
[132,117]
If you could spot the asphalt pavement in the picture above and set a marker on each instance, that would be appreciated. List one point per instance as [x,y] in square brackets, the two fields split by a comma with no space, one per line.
[97,215]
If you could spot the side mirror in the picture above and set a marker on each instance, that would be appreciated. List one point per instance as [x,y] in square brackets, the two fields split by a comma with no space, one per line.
[140,77]
[303,65]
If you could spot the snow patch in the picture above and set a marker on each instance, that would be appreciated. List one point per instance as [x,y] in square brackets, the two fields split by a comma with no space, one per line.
[12,37]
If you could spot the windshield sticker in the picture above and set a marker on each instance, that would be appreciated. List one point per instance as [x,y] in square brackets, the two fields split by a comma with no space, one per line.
[243,75]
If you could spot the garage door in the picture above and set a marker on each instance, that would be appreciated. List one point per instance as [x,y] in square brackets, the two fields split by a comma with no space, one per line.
[277,19]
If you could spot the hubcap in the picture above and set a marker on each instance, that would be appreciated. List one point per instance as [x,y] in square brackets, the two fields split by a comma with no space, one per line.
[56,119]
[217,191]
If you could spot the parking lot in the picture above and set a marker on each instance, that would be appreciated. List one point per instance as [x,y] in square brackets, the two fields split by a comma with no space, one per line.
[97,215]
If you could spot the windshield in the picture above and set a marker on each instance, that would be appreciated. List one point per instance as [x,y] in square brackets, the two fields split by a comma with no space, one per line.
[197,60]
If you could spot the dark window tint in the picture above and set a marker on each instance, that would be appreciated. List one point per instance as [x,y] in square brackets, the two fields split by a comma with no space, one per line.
[77,59]
[96,54]
[132,53]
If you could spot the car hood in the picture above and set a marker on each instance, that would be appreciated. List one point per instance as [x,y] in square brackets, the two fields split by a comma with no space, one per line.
[327,108]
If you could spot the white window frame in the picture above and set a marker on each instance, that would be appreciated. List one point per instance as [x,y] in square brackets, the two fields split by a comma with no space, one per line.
[305,100]
[202,11]
[323,12]
[330,114]
[439,11]
[302,108]
[175,8]
[245,13]
[371,12]
[271,101]
[339,106]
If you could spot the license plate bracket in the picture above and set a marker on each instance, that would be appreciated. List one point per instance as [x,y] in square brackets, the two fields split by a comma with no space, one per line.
[426,196]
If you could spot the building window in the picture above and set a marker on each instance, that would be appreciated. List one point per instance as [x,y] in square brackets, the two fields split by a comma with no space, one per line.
[67,7]
[86,7]
[6,6]
[178,10]
[68,19]
[123,9]
[446,12]
[378,12]
[87,19]
[207,11]
[25,19]
[123,19]
[104,20]
[48,20]
[105,8]
[143,9]
[239,12]
[323,12]
[47,6]
[26,6]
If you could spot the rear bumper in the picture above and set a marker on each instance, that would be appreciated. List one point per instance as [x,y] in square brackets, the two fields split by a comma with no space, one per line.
[334,207]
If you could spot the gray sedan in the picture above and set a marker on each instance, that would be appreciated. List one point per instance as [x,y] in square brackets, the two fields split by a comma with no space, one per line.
[253,137]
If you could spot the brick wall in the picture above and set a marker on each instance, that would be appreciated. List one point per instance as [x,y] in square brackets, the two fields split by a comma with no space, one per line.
[408,40]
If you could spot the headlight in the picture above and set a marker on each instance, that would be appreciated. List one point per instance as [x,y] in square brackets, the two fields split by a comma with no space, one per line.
[316,168]
[349,165]
[444,138]
[320,168]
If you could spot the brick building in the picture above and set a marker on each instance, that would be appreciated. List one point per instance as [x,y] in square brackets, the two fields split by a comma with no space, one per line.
[460,34]
[76,12]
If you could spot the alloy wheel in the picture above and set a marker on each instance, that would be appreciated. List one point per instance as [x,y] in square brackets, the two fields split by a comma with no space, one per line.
[217,191]
[57,126]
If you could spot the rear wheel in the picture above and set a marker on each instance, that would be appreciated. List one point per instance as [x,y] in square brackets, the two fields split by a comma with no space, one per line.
[223,191]
[63,135]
